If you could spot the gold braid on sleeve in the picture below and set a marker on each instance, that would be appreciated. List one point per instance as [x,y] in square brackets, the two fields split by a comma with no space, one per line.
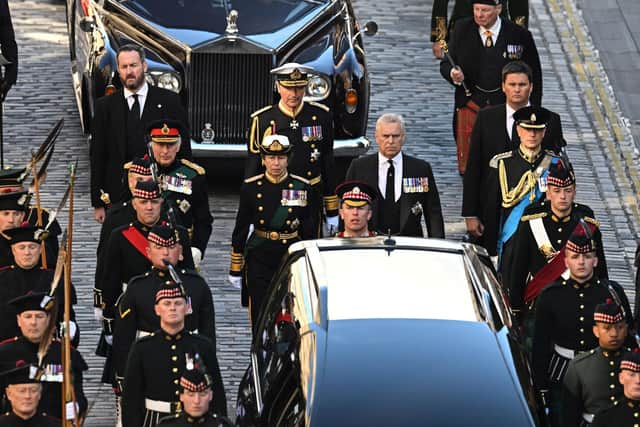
[254,143]
[527,184]
[237,262]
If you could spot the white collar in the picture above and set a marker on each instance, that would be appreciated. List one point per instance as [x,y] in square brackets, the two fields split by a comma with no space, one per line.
[511,111]
[397,159]
[495,29]
[141,92]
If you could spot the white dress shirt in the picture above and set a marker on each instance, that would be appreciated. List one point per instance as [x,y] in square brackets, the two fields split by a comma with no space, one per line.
[510,119]
[142,96]
[383,168]
[495,30]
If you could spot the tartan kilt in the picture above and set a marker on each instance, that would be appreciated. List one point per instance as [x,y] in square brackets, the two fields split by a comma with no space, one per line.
[465,119]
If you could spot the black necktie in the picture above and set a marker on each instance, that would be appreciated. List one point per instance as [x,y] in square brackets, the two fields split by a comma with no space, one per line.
[390,193]
[134,111]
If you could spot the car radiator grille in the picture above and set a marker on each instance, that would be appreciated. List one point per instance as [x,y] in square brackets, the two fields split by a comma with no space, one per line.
[224,90]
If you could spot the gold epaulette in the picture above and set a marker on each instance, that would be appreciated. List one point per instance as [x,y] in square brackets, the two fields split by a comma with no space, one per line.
[262,110]
[494,161]
[254,178]
[592,221]
[127,166]
[533,216]
[196,167]
[331,203]
[317,104]
[299,178]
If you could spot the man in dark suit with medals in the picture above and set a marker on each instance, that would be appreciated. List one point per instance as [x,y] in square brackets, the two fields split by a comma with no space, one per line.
[407,184]
[276,203]
[309,128]
[480,47]
[495,132]
[563,323]
[518,12]
[119,123]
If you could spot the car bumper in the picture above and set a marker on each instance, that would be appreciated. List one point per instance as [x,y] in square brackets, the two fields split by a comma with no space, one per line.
[341,148]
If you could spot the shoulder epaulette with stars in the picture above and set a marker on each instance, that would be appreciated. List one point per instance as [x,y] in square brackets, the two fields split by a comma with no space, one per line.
[494,161]
[533,216]
[196,167]
[317,104]
[254,178]
[299,178]
[262,110]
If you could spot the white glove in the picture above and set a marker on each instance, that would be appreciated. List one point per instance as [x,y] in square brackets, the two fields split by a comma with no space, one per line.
[73,328]
[71,410]
[330,226]
[235,281]
[97,314]
[109,339]
[197,257]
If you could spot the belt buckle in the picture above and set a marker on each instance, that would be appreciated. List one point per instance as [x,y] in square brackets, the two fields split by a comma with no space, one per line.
[274,235]
[176,407]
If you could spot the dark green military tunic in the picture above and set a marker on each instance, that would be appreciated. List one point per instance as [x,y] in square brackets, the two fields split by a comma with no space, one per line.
[591,384]
[280,215]
[625,414]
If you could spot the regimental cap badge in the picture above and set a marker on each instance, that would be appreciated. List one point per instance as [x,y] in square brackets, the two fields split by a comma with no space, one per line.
[296,75]
[356,193]
[532,117]
[275,144]
[292,74]
[165,131]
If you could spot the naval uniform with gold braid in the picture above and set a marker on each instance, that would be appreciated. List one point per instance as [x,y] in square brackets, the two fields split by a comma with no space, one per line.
[310,132]
[154,367]
[184,186]
[281,216]
[591,385]
[136,311]
[20,348]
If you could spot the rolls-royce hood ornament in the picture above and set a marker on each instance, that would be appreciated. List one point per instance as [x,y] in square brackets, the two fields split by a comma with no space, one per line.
[232,28]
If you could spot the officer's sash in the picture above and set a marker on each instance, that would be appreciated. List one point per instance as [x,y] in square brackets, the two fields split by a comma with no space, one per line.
[137,240]
[549,272]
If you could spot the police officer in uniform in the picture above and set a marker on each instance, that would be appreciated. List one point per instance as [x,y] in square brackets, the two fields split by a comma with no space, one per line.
[591,382]
[519,174]
[543,230]
[309,127]
[355,208]
[563,324]
[24,391]
[156,363]
[36,325]
[183,184]
[627,412]
[25,275]
[276,203]
[136,312]
[195,396]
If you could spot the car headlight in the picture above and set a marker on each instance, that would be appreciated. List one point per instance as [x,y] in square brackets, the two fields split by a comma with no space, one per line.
[318,88]
[165,80]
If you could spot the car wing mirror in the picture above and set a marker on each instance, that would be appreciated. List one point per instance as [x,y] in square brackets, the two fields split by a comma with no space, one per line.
[87,23]
[369,29]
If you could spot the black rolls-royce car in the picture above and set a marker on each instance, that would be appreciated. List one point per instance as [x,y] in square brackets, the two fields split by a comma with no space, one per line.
[386,332]
[217,55]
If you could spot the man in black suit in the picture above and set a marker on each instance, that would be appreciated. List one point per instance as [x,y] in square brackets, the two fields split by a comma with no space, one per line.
[440,28]
[493,133]
[480,47]
[9,50]
[406,182]
[119,123]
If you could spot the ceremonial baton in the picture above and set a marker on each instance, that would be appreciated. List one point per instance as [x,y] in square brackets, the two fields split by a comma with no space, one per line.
[445,52]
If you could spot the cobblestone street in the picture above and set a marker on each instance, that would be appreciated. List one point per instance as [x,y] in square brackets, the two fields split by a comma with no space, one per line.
[405,79]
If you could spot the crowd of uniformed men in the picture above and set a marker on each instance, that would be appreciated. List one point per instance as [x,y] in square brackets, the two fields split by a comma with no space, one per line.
[151,199]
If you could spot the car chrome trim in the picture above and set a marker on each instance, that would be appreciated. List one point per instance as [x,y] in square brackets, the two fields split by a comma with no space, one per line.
[341,148]
[256,382]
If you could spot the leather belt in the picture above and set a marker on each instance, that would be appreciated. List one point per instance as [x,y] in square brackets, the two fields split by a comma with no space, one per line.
[588,417]
[567,353]
[161,406]
[275,235]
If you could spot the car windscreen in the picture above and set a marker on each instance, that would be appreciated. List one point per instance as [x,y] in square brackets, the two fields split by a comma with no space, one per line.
[254,16]
[399,284]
